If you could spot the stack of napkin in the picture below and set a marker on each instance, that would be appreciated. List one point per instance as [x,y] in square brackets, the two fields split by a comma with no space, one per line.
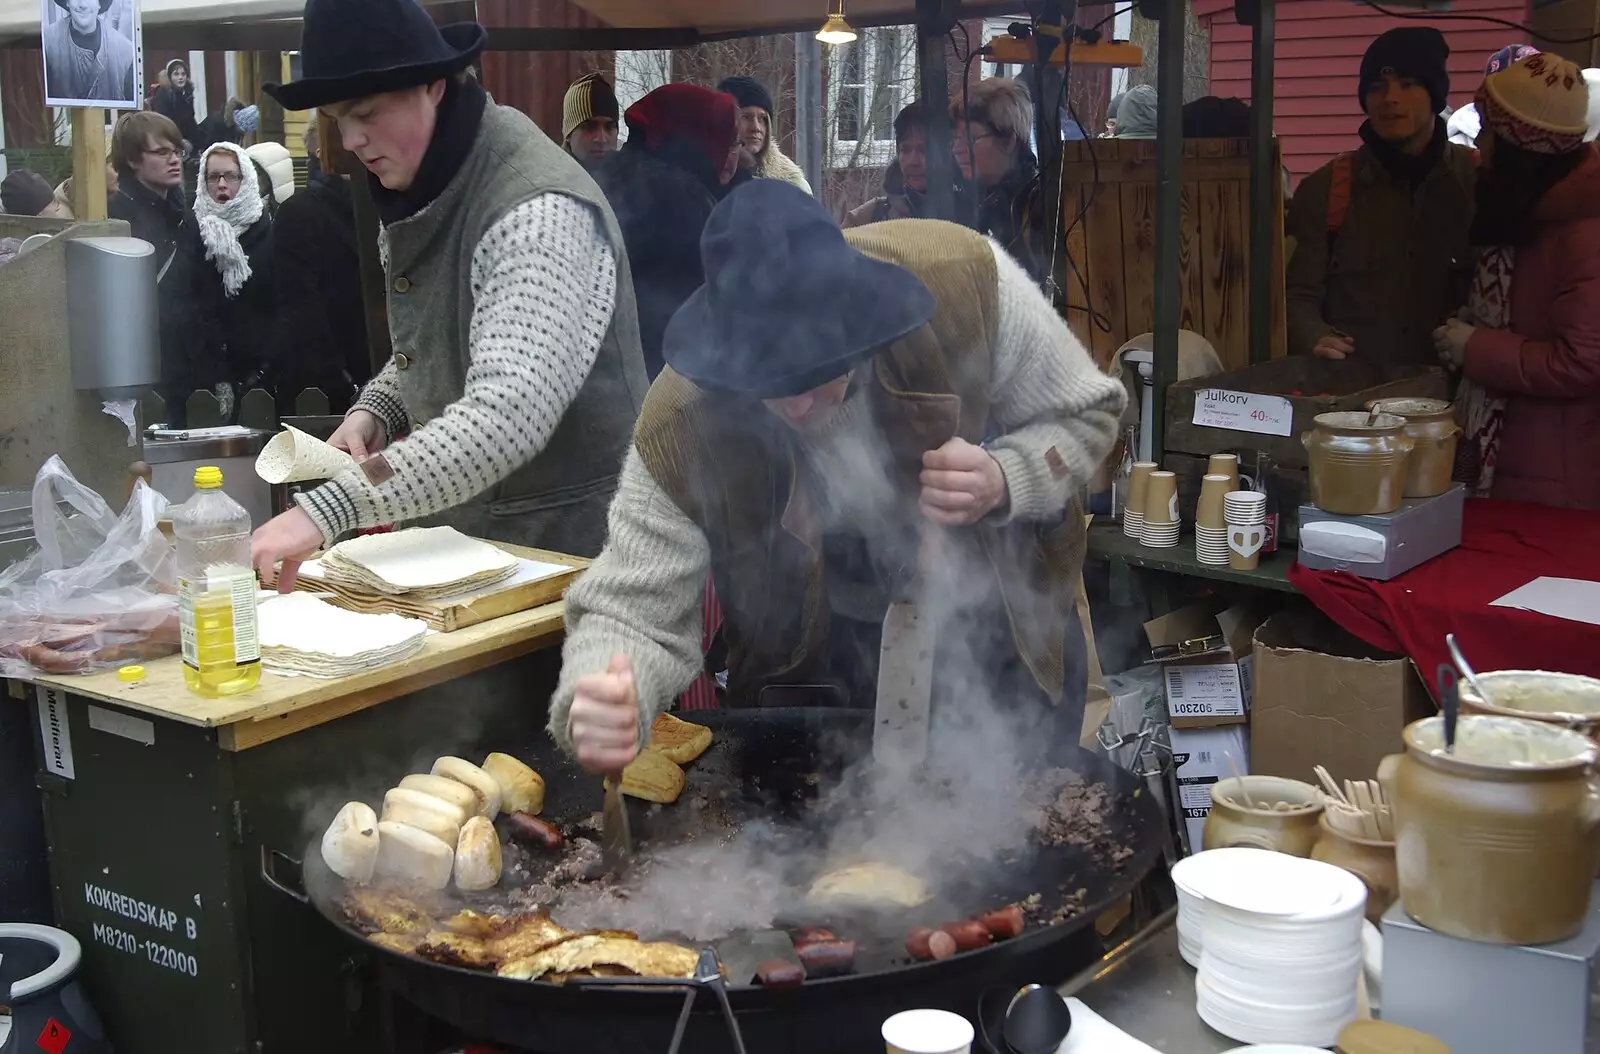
[301,634]
[424,562]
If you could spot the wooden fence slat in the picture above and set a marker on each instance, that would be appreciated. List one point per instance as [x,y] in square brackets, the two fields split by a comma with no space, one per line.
[1105,272]
[1191,262]
[1224,251]
[1139,255]
[1075,294]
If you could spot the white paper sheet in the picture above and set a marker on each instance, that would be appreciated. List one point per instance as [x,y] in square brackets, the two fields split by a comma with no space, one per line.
[1093,1034]
[1575,599]
[527,571]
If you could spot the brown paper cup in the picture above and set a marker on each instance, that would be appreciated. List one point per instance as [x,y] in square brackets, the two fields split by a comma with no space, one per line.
[1224,465]
[1213,492]
[1244,547]
[293,456]
[1161,499]
[1137,484]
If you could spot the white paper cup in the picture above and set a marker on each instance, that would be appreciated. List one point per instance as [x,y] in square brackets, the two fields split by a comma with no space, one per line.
[927,1032]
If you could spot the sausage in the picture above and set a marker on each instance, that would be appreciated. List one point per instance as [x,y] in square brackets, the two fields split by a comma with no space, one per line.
[530,830]
[942,945]
[1003,923]
[917,944]
[780,973]
[827,958]
[968,934]
[812,935]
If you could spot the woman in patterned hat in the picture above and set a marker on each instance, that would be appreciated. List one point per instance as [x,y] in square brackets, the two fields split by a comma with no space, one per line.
[1530,349]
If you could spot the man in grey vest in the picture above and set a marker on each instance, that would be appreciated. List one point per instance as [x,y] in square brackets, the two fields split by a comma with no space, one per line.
[516,376]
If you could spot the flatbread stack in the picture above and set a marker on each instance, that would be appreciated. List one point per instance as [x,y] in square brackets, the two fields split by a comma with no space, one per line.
[303,635]
[425,562]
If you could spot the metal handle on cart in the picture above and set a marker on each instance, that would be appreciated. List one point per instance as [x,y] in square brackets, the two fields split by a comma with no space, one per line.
[269,874]
[707,975]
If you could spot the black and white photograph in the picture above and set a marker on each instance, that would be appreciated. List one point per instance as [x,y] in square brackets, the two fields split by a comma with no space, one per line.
[91,53]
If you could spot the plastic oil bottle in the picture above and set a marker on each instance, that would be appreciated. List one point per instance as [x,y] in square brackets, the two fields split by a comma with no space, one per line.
[216,590]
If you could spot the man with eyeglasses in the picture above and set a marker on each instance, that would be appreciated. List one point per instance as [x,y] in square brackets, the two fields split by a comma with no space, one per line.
[86,59]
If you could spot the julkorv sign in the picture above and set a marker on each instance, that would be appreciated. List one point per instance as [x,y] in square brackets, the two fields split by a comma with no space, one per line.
[1270,415]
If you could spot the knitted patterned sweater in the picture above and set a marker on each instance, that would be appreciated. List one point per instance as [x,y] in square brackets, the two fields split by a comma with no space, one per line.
[544,282]
[641,597]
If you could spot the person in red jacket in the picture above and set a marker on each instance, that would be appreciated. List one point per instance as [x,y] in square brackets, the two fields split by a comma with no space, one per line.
[1530,349]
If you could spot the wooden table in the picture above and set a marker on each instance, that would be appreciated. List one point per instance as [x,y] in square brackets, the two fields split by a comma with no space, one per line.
[165,812]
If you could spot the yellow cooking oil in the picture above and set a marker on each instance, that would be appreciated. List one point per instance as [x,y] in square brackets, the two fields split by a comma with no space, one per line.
[216,590]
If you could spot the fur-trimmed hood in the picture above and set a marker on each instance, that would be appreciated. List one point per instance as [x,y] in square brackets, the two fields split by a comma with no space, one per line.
[775,164]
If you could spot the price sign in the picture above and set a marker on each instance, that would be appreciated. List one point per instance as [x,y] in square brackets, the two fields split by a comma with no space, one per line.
[1270,415]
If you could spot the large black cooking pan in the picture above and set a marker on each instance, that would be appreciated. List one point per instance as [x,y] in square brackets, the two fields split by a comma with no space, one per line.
[775,757]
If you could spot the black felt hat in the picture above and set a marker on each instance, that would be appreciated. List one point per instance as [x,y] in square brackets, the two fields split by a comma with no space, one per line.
[350,49]
[788,305]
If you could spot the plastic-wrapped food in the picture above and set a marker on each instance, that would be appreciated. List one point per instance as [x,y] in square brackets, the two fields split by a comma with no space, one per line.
[98,592]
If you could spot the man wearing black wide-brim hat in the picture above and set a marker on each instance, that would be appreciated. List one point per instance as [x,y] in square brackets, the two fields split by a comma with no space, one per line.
[832,401]
[87,59]
[516,374]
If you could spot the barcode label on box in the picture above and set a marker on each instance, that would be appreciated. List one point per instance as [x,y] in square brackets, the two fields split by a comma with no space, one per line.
[1204,691]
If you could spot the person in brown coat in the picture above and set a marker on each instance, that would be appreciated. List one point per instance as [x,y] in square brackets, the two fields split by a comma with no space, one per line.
[1530,353]
[1381,255]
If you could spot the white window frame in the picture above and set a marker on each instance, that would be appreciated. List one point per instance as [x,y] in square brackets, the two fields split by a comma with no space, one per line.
[880,149]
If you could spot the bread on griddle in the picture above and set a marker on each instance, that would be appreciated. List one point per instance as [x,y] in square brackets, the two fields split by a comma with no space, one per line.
[678,741]
[412,857]
[457,794]
[424,812]
[350,844]
[521,788]
[591,951]
[477,856]
[653,777]
[478,781]
[867,886]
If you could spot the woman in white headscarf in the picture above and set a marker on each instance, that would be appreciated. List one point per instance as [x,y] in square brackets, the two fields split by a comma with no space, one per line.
[226,253]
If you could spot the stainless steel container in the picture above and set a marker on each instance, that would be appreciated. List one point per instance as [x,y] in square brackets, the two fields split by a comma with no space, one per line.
[111,310]
[173,461]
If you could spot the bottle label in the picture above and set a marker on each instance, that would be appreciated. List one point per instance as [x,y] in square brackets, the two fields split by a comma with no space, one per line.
[1270,543]
[186,632]
[246,641]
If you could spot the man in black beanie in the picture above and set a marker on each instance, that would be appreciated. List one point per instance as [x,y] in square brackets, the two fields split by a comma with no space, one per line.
[1380,254]
[760,154]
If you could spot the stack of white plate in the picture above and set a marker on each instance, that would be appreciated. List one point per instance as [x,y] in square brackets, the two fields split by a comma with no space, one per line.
[1194,873]
[1280,947]
[1211,545]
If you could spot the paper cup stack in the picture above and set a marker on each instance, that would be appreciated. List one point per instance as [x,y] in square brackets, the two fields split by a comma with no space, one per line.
[1138,488]
[1246,514]
[1281,948]
[1210,523]
[1161,523]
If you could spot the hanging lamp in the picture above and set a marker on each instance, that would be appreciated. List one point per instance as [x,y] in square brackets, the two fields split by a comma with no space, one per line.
[836,30]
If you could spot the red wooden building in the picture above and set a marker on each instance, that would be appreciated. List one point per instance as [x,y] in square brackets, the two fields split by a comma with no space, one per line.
[1318,56]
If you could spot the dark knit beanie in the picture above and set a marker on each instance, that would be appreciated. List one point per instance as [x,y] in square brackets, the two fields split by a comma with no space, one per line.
[747,91]
[1418,52]
[25,193]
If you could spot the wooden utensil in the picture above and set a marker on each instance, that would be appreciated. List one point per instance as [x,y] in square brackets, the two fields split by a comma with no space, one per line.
[1329,785]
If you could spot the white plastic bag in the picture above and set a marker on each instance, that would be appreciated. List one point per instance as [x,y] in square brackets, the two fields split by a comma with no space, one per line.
[101,589]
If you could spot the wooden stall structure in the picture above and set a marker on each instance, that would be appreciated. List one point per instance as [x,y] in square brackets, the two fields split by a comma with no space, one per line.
[1108,208]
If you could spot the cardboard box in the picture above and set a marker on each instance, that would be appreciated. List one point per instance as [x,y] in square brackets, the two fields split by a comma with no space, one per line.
[1323,697]
[1207,667]
[1202,756]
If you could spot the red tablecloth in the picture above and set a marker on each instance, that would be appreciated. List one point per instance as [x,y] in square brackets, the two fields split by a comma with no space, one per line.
[1504,545]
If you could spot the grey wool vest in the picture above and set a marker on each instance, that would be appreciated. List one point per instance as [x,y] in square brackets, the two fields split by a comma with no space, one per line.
[558,500]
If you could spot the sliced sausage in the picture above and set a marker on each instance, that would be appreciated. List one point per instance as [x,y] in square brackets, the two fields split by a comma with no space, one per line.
[969,934]
[780,973]
[827,958]
[1003,923]
[532,831]
[812,935]
[942,945]
[917,944]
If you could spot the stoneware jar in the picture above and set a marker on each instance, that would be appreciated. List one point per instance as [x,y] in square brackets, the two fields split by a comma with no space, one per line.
[1564,699]
[1289,828]
[1358,462]
[1496,840]
[1370,861]
[1431,425]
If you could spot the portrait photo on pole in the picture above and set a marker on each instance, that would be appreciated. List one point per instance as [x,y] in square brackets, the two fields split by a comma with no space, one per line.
[92,53]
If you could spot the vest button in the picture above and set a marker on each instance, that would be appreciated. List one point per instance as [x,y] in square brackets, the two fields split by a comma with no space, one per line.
[402,284]
[402,361]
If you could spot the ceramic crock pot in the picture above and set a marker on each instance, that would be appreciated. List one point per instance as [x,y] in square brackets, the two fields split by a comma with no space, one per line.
[1370,861]
[1431,425]
[1234,824]
[1496,840]
[1564,699]
[1358,462]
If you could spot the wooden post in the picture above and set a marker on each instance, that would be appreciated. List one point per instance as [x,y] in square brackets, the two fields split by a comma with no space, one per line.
[88,163]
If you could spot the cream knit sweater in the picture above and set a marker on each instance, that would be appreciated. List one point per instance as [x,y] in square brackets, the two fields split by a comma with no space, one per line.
[641,597]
